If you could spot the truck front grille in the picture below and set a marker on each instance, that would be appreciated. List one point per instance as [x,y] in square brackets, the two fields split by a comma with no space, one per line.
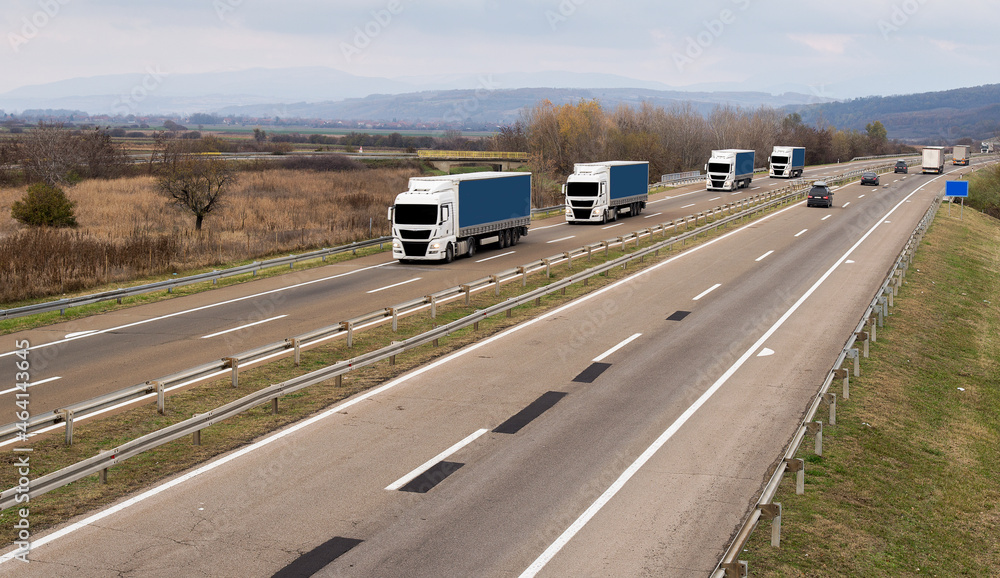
[581,204]
[415,249]
[581,213]
[403,233]
[718,184]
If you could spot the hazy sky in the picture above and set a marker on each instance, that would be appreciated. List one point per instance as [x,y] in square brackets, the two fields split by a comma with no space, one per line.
[839,48]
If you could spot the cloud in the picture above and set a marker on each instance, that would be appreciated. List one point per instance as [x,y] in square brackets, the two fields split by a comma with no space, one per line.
[826,44]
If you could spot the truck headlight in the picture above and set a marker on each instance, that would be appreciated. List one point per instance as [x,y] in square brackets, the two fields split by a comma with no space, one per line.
[396,244]
[436,246]
[569,212]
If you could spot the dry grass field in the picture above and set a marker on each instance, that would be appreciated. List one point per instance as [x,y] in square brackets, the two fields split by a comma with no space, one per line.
[128,230]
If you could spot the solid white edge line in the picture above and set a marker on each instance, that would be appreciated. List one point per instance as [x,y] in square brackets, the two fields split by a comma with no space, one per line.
[558,240]
[275,318]
[394,285]
[496,256]
[764,256]
[386,387]
[202,308]
[31,384]
[601,357]
[604,498]
[427,465]
[707,291]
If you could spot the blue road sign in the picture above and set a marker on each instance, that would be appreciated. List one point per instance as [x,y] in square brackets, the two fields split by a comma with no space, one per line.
[956,188]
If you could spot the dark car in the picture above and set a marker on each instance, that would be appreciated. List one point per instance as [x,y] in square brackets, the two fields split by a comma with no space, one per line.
[820,195]
[869,179]
[901,167]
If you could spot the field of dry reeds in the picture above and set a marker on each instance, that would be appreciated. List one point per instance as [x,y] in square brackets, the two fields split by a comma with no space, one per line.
[127,229]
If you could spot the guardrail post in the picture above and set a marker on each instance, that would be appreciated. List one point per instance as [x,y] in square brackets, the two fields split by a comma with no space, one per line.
[234,363]
[392,358]
[67,416]
[569,259]
[853,354]
[816,428]
[103,474]
[434,305]
[882,310]
[548,273]
[798,467]
[339,380]
[737,569]
[863,336]
[468,292]
[524,276]
[349,328]
[296,344]
[496,284]
[872,325]
[831,400]
[590,251]
[773,512]
[395,319]
[842,374]
[160,396]
[196,436]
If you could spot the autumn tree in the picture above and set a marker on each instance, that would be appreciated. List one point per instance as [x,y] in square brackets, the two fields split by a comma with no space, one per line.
[195,184]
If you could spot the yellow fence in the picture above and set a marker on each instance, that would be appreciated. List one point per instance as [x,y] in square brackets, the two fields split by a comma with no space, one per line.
[457,155]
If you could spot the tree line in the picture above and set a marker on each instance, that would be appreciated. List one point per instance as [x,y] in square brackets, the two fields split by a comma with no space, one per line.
[675,139]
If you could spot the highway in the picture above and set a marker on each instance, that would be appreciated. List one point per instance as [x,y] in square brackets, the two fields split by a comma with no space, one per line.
[624,434]
[82,359]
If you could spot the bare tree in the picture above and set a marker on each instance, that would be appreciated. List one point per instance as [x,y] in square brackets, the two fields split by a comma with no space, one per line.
[196,184]
[48,154]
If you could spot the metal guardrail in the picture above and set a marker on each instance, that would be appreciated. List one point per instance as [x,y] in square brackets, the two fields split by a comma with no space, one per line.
[874,157]
[744,208]
[171,284]
[730,566]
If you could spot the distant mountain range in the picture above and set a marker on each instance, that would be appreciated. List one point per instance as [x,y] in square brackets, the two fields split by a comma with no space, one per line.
[316,92]
[462,99]
[928,117]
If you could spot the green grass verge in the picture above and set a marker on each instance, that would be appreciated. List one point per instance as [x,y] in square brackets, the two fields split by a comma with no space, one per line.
[908,484]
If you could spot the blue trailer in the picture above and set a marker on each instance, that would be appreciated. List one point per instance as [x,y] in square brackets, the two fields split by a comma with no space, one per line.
[598,192]
[787,162]
[439,218]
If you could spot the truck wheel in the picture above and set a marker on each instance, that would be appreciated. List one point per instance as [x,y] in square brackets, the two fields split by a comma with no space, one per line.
[471,252]
[502,243]
[517,236]
[449,254]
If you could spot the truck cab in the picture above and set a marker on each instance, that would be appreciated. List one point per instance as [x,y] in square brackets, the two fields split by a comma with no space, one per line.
[423,223]
[729,169]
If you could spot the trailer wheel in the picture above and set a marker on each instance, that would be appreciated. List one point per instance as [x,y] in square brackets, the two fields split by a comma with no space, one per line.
[471,252]
[502,236]
[516,234]
[449,254]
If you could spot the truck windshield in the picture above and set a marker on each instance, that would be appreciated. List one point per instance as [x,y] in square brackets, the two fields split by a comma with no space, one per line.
[718,167]
[779,160]
[581,189]
[416,214]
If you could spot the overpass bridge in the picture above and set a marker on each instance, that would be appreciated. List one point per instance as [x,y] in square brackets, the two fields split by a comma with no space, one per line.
[500,161]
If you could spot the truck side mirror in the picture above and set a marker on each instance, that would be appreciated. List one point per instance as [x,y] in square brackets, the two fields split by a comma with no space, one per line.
[706,168]
[389,215]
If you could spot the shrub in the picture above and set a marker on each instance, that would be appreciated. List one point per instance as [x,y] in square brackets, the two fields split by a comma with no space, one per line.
[44,206]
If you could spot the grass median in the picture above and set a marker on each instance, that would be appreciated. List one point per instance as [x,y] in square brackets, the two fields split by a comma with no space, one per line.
[908,483]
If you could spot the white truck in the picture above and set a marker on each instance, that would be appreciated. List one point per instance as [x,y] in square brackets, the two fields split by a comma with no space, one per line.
[598,192]
[960,154]
[729,169]
[440,218]
[932,160]
[788,162]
